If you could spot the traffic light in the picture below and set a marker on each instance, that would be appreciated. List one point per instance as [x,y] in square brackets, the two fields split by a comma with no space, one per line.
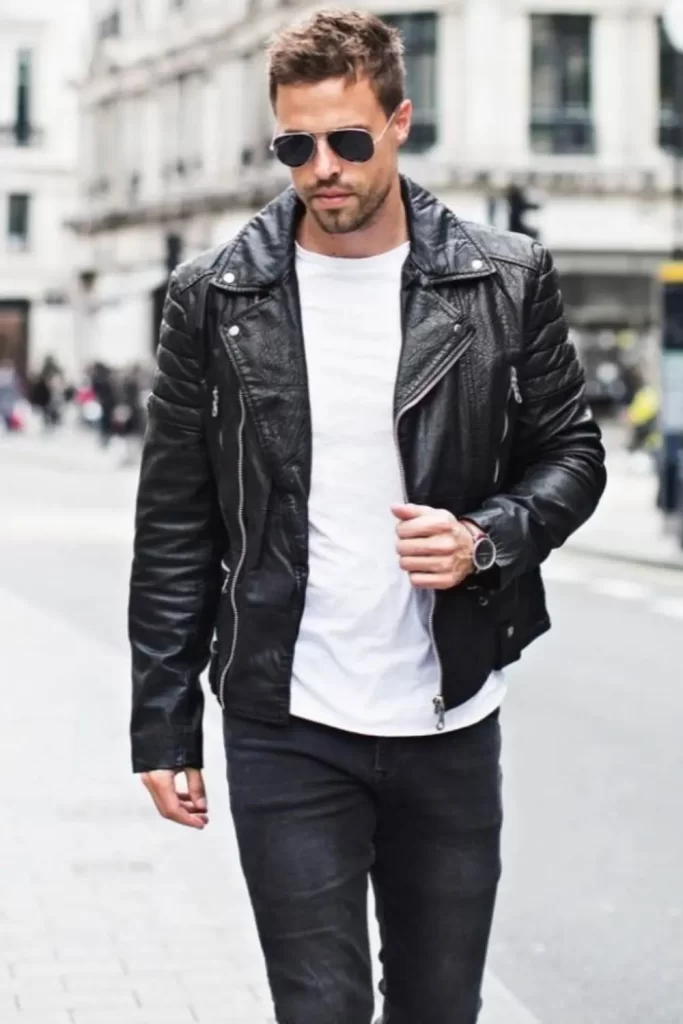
[519,204]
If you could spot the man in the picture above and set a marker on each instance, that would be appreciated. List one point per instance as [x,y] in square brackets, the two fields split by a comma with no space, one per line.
[367,432]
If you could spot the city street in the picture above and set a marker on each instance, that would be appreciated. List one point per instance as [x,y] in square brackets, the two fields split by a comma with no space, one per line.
[109,915]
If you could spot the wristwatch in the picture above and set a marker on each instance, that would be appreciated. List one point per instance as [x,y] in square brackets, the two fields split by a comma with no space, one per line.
[484,552]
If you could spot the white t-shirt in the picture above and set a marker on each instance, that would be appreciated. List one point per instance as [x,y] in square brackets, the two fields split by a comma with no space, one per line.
[364,660]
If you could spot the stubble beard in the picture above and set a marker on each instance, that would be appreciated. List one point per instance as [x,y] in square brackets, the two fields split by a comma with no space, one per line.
[344,222]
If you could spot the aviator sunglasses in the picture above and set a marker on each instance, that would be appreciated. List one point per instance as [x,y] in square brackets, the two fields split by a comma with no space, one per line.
[356,145]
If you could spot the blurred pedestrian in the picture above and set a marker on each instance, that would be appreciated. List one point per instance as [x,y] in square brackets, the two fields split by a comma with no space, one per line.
[104,389]
[367,431]
[642,416]
[131,397]
[48,393]
[10,395]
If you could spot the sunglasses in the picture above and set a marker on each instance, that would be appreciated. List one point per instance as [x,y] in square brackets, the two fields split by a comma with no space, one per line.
[355,145]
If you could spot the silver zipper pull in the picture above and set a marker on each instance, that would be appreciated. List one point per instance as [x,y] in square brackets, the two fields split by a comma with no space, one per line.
[214,404]
[440,712]
[514,384]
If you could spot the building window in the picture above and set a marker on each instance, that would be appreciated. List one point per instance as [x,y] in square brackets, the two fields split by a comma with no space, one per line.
[668,117]
[18,221]
[419,33]
[561,87]
[22,122]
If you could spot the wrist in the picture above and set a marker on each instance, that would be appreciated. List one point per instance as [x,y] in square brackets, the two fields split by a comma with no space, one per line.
[484,552]
[475,531]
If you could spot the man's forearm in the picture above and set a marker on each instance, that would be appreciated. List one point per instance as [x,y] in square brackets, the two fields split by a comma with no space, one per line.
[554,497]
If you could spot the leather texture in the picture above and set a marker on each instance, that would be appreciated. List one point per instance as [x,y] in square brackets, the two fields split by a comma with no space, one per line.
[491,423]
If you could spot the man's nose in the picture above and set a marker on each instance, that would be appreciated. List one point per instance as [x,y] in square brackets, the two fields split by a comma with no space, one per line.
[326,163]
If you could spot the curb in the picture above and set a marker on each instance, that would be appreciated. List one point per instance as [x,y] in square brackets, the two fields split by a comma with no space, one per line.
[586,551]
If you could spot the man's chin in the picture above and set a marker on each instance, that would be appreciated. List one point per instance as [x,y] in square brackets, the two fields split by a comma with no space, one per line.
[335,222]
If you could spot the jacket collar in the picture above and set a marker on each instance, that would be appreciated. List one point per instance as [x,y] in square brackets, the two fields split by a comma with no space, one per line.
[263,252]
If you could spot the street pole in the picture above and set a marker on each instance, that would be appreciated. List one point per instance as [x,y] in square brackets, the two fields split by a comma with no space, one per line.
[677,251]
[670,497]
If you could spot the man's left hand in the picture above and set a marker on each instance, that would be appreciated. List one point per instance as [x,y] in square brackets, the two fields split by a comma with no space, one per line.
[433,546]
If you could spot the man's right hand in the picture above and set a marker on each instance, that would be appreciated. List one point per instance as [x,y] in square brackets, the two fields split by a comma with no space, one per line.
[186,808]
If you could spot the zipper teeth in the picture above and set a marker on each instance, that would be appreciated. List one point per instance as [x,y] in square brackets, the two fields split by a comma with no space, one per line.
[438,700]
[514,385]
[243,550]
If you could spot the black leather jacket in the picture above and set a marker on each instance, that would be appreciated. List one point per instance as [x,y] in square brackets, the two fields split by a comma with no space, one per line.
[491,423]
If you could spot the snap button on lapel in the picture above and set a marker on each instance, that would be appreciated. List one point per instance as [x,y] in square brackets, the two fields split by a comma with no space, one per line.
[233,331]
[477,264]
[229,278]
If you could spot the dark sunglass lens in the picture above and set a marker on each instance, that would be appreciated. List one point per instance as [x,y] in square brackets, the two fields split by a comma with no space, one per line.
[352,144]
[294,150]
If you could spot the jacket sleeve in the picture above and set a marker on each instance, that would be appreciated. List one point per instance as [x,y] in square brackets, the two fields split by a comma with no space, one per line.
[557,462]
[174,587]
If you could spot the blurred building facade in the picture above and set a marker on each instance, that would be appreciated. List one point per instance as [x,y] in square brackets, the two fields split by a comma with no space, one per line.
[572,97]
[39,60]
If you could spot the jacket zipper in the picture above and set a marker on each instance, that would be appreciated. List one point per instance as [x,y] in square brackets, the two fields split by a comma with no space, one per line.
[438,702]
[517,395]
[232,581]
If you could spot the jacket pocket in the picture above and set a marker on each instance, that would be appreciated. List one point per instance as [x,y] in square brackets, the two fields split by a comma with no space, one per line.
[508,646]
[508,610]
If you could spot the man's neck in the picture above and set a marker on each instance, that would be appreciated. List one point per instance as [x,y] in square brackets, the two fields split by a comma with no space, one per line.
[388,230]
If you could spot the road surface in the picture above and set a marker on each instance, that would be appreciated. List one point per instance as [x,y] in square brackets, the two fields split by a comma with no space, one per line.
[108,914]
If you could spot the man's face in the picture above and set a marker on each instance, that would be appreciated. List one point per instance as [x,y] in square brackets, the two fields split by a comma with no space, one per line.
[342,196]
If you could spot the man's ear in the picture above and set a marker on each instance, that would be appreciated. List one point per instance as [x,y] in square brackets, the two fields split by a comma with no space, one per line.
[403,121]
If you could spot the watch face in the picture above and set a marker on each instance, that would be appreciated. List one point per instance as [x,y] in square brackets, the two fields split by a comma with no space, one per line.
[484,555]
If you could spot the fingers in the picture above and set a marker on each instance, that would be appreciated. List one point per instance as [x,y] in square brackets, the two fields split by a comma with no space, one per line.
[182,808]
[429,523]
[427,565]
[195,788]
[443,544]
[437,581]
[408,511]
[434,548]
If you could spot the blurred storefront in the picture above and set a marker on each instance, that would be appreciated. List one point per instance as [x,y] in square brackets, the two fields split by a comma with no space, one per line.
[39,55]
[576,103]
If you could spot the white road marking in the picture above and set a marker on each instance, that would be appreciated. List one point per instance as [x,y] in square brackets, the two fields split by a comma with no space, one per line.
[624,590]
[76,527]
[671,607]
[563,572]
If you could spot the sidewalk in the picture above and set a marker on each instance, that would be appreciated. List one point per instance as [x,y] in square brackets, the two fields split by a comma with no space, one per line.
[108,914]
[627,525]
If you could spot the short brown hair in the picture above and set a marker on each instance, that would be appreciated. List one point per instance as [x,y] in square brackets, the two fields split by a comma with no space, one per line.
[340,44]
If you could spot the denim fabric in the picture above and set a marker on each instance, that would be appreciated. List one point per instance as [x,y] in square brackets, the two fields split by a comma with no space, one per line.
[319,813]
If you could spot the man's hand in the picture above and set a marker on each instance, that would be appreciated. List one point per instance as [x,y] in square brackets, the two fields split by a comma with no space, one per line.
[186,808]
[434,547]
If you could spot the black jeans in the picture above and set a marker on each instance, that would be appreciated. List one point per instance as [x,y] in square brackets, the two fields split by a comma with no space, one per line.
[318,812]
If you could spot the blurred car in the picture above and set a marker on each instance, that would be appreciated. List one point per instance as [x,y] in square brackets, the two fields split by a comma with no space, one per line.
[605,385]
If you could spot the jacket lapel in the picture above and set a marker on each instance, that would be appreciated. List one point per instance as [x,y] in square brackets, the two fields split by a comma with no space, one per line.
[435,335]
[266,349]
[260,325]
